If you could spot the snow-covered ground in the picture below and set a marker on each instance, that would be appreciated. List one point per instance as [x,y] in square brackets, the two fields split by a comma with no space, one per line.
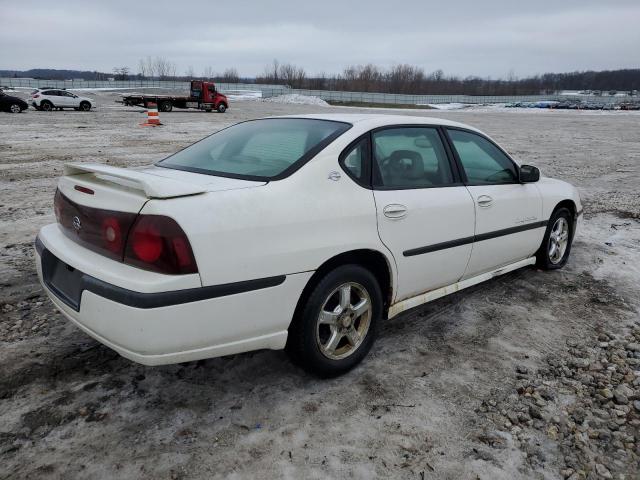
[436,398]
[297,99]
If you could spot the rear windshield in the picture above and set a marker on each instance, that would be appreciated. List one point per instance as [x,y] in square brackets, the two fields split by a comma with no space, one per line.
[266,149]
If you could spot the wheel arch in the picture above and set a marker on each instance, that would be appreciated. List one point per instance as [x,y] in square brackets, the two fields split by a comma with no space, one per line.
[373,260]
[569,204]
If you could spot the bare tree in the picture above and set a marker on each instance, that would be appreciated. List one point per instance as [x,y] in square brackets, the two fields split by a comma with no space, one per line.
[404,79]
[207,73]
[271,73]
[147,67]
[190,72]
[285,73]
[230,75]
[292,75]
[121,73]
[142,69]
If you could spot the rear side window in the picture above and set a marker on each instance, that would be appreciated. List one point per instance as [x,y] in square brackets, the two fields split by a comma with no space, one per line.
[354,161]
[410,157]
[483,162]
[259,149]
[50,92]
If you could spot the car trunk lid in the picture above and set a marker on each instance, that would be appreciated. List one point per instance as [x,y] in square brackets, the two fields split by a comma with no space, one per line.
[96,205]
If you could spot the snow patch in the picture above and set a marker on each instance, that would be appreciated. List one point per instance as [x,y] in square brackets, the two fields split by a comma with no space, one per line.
[297,99]
[242,94]
[446,106]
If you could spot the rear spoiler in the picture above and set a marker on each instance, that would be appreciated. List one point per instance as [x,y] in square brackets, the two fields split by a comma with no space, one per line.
[153,186]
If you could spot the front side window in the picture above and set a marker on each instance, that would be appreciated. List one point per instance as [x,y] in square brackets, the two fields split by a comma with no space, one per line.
[410,157]
[258,149]
[483,162]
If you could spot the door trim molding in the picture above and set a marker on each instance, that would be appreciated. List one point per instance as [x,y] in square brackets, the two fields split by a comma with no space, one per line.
[476,238]
[431,295]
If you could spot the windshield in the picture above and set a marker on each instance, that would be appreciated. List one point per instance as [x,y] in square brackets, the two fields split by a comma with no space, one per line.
[266,149]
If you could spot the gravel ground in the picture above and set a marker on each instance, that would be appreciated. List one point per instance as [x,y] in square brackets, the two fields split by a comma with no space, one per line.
[531,375]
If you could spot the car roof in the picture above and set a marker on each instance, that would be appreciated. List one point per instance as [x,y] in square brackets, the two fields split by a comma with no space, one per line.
[375,120]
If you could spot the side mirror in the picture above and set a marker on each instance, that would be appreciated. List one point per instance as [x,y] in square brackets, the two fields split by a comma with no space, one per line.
[529,174]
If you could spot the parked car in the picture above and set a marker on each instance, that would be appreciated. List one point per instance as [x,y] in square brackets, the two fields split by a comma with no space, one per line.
[12,104]
[300,232]
[55,98]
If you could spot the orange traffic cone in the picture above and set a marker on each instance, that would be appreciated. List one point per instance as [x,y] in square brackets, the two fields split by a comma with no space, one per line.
[153,118]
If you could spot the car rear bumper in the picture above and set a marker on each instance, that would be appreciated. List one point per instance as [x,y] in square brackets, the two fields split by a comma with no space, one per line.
[155,328]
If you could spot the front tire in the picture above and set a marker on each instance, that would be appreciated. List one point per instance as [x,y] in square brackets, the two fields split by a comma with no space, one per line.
[85,106]
[15,108]
[556,244]
[336,326]
[222,108]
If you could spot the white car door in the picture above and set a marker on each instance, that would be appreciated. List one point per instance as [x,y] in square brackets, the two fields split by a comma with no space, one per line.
[509,223]
[69,99]
[52,96]
[425,213]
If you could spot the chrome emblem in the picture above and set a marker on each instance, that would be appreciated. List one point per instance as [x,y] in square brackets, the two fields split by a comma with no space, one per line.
[76,223]
[333,175]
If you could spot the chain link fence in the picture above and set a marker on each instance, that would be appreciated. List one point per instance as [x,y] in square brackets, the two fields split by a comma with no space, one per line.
[267,90]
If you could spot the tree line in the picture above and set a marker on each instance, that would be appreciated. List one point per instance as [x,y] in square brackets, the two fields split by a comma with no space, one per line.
[402,79]
[413,80]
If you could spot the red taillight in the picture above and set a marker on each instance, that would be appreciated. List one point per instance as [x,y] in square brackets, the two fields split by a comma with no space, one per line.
[158,243]
[151,242]
[36,96]
[146,241]
[104,231]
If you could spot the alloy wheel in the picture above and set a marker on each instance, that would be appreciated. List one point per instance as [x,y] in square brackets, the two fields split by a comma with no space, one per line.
[344,320]
[558,240]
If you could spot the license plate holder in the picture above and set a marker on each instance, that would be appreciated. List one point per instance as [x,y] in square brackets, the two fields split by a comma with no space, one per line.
[62,279]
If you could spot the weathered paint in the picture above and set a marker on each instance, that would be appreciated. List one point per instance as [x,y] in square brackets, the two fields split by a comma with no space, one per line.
[431,295]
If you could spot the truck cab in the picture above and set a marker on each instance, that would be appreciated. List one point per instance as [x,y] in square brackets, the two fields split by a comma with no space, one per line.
[207,96]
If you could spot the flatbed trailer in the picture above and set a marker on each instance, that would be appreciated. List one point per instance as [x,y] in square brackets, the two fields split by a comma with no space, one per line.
[203,96]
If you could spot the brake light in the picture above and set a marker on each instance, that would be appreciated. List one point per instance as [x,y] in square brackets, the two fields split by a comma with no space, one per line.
[82,189]
[151,242]
[36,96]
[158,243]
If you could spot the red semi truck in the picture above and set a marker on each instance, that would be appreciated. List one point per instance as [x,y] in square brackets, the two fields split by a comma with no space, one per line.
[204,96]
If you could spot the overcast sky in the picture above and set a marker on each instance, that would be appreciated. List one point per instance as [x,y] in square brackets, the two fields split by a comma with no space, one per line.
[464,37]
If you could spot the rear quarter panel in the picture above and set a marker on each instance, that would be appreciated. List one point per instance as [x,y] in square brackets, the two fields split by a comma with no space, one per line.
[287,226]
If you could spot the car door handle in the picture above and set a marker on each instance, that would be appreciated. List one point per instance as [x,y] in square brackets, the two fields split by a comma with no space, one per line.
[395,210]
[485,201]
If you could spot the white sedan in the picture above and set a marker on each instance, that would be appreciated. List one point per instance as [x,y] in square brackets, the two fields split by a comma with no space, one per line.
[294,232]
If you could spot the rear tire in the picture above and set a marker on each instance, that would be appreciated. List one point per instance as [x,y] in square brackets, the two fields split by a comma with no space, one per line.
[556,244]
[166,106]
[46,105]
[336,325]
[222,108]
[85,106]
